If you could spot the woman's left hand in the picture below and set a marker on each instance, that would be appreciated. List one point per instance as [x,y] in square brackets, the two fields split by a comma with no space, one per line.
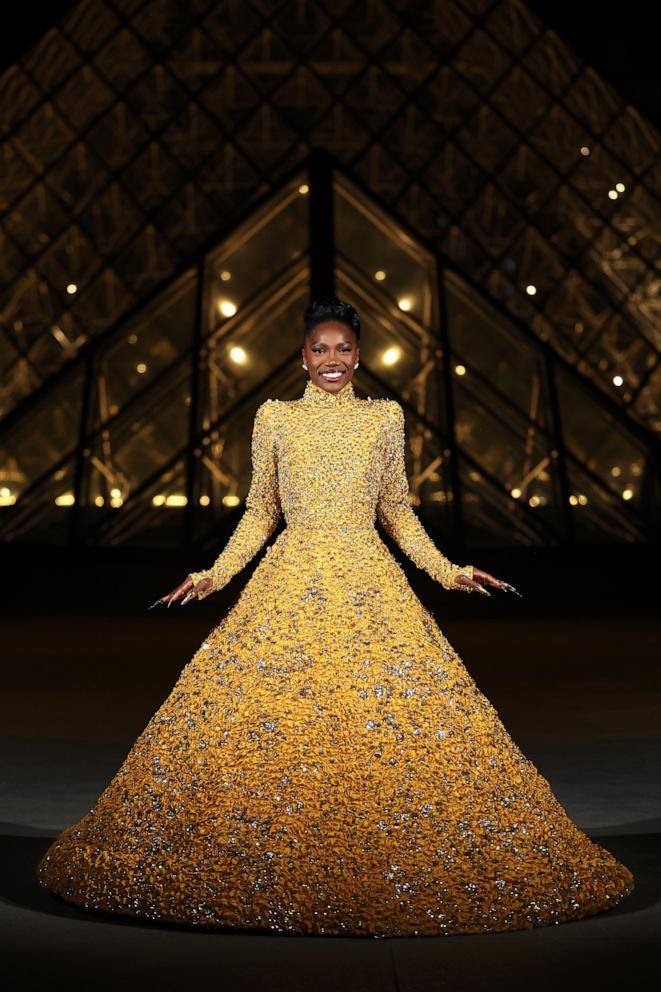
[481,579]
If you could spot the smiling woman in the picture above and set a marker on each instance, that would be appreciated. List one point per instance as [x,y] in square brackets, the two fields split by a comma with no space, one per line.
[325,764]
[332,332]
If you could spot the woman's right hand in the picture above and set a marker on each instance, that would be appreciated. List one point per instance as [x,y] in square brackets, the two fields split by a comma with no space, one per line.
[185,591]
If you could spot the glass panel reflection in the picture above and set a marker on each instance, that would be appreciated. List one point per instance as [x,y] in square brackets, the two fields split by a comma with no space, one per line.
[275,237]
[147,346]
[39,441]
[375,244]
[133,448]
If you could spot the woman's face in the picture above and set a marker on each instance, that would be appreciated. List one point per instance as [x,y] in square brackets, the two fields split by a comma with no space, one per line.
[330,346]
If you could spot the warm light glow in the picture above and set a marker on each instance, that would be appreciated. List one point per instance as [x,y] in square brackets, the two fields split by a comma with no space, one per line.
[115,493]
[72,288]
[133,338]
[380,275]
[405,303]
[227,308]
[531,290]
[582,499]
[116,501]
[204,500]
[7,498]
[225,275]
[65,499]
[635,468]
[231,500]
[613,194]
[620,187]
[616,471]
[460,369]
[534,501]
[141,368]
[158,500]
[618,380]
[176,499]
[627,494]
[238,355]
[515,493]
[392,355]
[573,500]
[585,150]
[99,501]
[303,189]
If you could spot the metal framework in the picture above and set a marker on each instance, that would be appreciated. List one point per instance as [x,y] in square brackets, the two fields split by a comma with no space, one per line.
[135,135]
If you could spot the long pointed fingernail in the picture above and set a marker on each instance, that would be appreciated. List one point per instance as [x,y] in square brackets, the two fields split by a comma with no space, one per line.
[483,590]
[157,603]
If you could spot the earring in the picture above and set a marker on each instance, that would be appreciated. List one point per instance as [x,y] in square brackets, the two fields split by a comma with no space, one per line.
[305,366]
[356,365]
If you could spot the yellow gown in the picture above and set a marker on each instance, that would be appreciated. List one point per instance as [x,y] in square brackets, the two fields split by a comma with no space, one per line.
[325,764]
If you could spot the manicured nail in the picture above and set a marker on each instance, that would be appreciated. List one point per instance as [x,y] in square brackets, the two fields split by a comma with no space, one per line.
[157,603]
[483,590]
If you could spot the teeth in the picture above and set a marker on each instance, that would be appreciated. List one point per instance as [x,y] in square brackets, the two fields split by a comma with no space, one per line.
[331,375]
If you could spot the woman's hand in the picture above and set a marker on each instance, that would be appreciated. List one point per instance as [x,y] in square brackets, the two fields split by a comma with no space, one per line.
[184,592]
[480,579]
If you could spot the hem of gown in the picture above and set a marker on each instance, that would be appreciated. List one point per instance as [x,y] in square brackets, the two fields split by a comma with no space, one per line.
[232,923]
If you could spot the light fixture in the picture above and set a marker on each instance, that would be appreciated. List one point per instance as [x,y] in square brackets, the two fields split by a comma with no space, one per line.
[116,502]
[534,501]
[582,499]
[133,338]
[531,290]
[176,499]
[515,493]
[616,471]
[303,189]
[141,368]
[573,500]
[238,355]
[65,499]
[72,288]
[227,308]
[99,501]
[618,380]
[115,493]
[158,500]
[231,501]
[627,494]
[392,355]
[404,303]
[225,275]
[585,150]
[620,187]
[204,500]
[613,194]
[7,497]
[460,369]
[380,275]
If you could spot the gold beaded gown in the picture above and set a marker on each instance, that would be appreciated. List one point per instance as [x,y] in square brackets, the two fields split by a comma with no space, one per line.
[325,764]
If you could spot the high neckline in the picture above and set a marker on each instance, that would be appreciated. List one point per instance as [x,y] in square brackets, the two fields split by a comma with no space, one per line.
[317,394]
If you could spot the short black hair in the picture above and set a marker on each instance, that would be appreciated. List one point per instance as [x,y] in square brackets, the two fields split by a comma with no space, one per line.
[330,308]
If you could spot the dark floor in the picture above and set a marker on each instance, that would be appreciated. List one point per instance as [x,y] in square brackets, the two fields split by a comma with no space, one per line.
[580,695]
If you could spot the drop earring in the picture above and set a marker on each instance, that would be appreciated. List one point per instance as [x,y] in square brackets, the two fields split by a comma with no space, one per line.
[356,365]
[305,366]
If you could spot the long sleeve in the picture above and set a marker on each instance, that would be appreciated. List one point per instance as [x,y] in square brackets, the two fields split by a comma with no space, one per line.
[396,515]
[262,512]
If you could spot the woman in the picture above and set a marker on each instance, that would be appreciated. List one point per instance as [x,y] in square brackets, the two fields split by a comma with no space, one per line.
[325,763]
